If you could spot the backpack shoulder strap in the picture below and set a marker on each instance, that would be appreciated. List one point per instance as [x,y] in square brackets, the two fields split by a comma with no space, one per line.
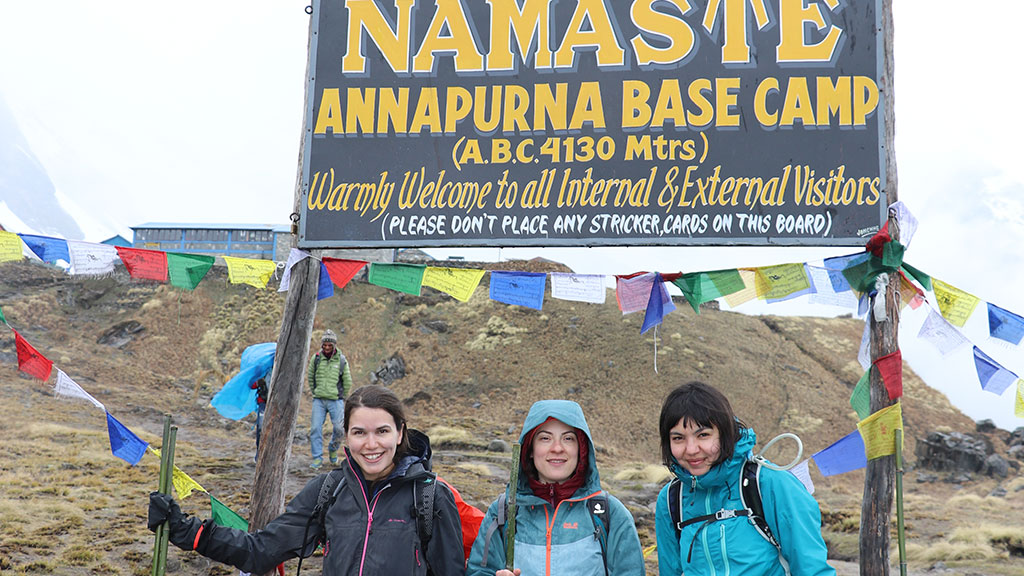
[601,515]
[316,365]
[328,493]
[500,516]
[675,504]
[750,496]
[423,494]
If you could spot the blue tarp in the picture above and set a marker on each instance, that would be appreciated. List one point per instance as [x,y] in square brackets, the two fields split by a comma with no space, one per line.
[236,399]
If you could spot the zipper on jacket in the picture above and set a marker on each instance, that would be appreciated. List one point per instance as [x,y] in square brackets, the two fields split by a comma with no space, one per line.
[369,517]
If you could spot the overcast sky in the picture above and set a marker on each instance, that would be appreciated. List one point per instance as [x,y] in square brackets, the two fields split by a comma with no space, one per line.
[192,111]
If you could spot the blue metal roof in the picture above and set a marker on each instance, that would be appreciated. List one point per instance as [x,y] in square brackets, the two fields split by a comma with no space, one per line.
[212,226]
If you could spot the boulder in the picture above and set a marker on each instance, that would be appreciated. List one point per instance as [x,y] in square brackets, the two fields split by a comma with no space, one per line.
[985,426]
[996,466]
[952,452]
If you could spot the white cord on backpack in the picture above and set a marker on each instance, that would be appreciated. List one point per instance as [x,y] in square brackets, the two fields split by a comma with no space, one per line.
[799,452]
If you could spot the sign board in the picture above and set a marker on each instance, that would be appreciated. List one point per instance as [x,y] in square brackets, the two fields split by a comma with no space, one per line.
[593,122]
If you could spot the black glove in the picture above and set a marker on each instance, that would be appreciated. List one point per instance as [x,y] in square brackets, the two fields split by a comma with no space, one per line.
[182,528]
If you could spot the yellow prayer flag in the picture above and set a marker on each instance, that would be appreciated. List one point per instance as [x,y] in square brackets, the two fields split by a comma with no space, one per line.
[10,246]
[183,484]
[775,282]
[878,431]
[248,271]
[955,304]
[749,292]
[1018,408]
[459,282]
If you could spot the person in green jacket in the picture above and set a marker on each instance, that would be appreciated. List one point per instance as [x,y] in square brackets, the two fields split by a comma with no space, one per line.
[330,381]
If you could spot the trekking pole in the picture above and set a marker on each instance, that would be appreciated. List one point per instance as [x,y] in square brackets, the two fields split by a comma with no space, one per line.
[510,523]
[901,538]
[164,486]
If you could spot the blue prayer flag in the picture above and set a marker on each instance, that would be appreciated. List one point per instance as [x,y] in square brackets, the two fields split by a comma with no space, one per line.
[326,288]
[124,443]
[994,378]
[658,306]
[1004,324]
[836,265]
[519,288]
[844,455]
[48,249]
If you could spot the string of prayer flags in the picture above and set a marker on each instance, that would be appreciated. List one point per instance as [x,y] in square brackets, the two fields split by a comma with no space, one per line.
[878,431]
[860,398]
[294,257]
[994,378]
[890,368]
[749,291]
[519,288]
[184,485]
[30,360]
[186,271]
[824,291]
[407,278]
[144,264]
[342,270]
[1004,324]
[46,248]
[578,287]
[701,287]
[782,282]
[1018,406]
[255,273]
[224,516]
[844,455]
[68,388]
[124,443]
[10,247]
[633,291]
[659,304]
[803,474]
[459,283]
[324,288]
[940,333]
[88,258]
[955,304]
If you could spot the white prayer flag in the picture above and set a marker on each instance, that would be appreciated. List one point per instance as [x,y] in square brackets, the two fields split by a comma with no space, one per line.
[940,333]
[294,257]
[803,475]
[578,287]
[864,354]
[91,258]
[68,388]
[825,294]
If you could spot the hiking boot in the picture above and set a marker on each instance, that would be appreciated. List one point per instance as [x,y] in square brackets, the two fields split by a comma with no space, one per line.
[317,463]
[334,457]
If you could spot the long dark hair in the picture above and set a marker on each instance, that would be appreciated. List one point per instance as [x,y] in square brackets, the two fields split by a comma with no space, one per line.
[703,405]
[374,396]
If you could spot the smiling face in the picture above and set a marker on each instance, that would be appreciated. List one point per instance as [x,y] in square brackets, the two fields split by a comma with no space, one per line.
[372,439]
[695,447]
[555,451]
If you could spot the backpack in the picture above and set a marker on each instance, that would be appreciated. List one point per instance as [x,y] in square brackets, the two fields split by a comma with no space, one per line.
[598,506]
[341,373]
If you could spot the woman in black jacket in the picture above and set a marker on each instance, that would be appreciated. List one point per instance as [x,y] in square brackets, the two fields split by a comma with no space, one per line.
[370,526]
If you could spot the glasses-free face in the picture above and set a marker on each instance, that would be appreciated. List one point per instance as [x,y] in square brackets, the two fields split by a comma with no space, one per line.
[556,451]
[695,447]
[328,348]
[373,439]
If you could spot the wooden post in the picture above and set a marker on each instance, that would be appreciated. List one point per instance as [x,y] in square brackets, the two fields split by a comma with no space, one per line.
[289,373]
[879,482]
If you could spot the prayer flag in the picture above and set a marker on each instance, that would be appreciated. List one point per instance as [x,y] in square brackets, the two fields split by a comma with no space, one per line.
[578,287]
[68,388]
[407,278]
[940,333]
[124,443]
[460,283]
[187,270]
[825,293]
[749,291]
[890,368]
[923,279]
[994,378]
[30,361]
[1004,324]
[518,288]
[48,249]
[10,247]
[224,516]
[844,455]
[910,294]
[294,257]
[2,319]
[782,282]
[144,264]
[906,220]
[255,273]
[88,258]
[183,484]
[1018,406]
[878,431]
[803,474]
[324,288]
[659,304]
[632,292]
[955,304]
[701,287]
[342,271]
[838,264]
[864,353]
[860,399]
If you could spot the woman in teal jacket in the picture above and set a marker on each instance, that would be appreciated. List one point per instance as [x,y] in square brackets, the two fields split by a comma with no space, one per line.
[565,523]
[705,446]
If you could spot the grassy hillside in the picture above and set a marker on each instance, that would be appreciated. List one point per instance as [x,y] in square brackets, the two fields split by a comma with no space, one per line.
[68,507]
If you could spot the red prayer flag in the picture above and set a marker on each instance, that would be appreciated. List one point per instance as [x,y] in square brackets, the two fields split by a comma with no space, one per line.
[891,369]
[30,361]
[341,270]
[879,240]
[144,264]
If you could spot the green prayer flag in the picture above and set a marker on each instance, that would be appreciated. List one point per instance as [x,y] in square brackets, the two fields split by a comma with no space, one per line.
[406,278]
[861,397]
[2,319]
[701,287]
[862,276]
[923,279]
[186,270]
[224,516]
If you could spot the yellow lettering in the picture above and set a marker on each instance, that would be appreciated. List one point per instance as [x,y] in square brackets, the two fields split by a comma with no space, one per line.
[681,40]
[393,44]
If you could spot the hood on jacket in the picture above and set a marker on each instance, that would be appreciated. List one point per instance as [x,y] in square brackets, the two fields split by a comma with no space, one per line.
[723,471]
[569,413]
